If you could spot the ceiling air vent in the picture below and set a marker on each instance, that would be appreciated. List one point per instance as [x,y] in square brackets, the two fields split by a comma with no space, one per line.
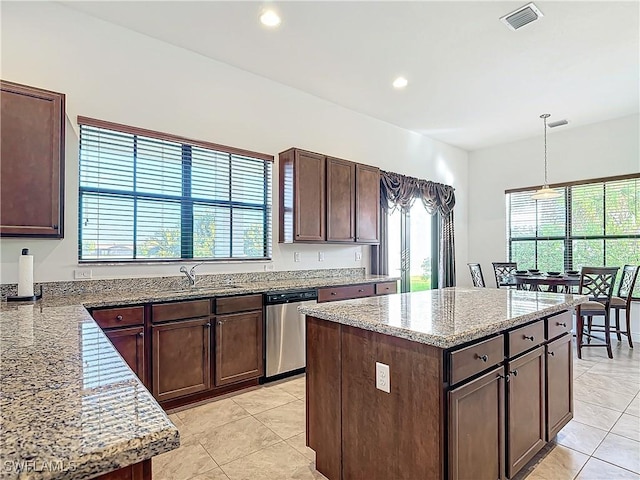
[522,16]
[559,123]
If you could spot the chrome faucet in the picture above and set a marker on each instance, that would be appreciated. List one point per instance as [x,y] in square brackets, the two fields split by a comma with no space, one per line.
[191,274]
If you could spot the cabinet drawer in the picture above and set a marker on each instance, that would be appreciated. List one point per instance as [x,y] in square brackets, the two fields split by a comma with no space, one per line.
[385,288]
[559,324]
[476,358]
[178,310]
[119,317]
[343,293]
[242,303]
[525,338]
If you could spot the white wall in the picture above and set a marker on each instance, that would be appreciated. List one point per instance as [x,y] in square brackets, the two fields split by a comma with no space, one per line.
[114,74]
[593,151]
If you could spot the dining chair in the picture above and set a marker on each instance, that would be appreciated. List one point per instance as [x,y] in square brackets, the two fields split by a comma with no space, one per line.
[476,274]
[597,283]
[503,269]
[622,301]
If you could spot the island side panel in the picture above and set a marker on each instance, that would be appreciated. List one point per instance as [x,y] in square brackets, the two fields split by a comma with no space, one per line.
[396,435]
[324,396]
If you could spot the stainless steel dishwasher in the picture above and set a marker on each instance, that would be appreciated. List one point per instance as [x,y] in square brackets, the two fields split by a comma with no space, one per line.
[285,332]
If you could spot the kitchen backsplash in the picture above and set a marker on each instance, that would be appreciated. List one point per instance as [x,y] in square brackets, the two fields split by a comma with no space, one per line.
[177,282]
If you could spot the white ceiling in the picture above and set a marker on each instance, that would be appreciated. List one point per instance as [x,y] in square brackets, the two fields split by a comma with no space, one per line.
[472,81]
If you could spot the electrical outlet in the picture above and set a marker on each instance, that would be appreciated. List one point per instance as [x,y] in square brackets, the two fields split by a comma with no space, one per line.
[321,256]
[296,256]
[269,267]
[383,382]
[83,274]
[358,256]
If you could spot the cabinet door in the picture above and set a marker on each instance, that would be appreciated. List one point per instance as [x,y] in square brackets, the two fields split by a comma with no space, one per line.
[181,358]
[525,409]
[32,161]
[559,385]
[476,428]
[309,197]
[238,347]
[137,471]
[341,181]
[367,204]
[129,343]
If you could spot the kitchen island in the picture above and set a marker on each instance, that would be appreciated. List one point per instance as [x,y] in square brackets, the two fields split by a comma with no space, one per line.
[478,381]
[70,407]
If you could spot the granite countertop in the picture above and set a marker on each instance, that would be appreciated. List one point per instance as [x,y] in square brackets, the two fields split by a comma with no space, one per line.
[70,407]
[447,317]
[147,292]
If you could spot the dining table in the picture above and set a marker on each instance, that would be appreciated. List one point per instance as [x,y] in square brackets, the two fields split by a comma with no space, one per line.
[554,283]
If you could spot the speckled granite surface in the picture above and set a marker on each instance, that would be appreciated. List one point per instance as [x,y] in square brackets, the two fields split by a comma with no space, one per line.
[444,318]
[70,407]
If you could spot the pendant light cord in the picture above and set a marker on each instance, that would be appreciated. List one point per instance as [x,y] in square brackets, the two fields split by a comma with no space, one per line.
[544,116]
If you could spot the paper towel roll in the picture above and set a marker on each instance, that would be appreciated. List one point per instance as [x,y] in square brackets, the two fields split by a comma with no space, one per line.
[25,274]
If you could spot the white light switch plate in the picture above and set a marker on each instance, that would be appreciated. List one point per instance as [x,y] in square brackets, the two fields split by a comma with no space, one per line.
[358,256]
[321,256]
[296,256]
[82,274]
[383,382]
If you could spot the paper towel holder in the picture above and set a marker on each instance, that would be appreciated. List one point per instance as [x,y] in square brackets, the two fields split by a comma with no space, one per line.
[31,298]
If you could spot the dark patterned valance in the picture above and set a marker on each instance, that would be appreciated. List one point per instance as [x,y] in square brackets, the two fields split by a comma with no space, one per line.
[400,191]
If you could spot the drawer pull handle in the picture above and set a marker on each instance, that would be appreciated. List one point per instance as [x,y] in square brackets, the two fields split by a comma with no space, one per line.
[561,324]
[514,373]
[333,293]
[528,338]
[119,318]
[484,358]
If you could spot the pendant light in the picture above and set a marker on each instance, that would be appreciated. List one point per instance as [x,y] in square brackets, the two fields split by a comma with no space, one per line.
[545,193]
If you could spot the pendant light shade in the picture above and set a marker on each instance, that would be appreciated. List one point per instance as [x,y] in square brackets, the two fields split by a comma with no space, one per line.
[545,193]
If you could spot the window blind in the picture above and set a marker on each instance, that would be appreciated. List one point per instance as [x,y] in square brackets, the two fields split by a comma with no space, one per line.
[145,198]
[593,223]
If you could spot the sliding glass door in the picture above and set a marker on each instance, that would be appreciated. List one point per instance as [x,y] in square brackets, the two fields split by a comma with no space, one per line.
[412,248]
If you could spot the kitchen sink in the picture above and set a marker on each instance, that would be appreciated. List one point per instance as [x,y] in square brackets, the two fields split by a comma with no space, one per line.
[207,288]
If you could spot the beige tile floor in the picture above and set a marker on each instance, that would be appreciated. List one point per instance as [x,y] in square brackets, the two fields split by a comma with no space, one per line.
[259,434]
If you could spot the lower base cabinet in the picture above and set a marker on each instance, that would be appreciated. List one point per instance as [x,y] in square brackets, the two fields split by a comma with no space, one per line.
[130,344]
[181,358]
[137,471]
[476,428]
[526,409]
[238,347]
[559,359]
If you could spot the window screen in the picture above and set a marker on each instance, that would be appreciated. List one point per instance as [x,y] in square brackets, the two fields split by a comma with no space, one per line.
[147,198]
[595,223]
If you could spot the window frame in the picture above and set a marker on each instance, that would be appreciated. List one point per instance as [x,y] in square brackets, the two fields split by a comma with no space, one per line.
[568,238]
[185,201]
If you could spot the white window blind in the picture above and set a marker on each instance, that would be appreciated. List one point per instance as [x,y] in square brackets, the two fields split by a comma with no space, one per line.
[595,223]
[145,198]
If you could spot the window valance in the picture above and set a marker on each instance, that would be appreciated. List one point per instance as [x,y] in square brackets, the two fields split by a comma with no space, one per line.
[400,191]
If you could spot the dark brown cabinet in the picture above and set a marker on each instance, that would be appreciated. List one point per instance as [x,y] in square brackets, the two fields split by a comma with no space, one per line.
[137,471]
[302,196]
[476,428]
[32,161]
[367,206]
[326,199]
[238,347]
[129,343]
[525,409]
[181,358]
[559,382]
[341,197]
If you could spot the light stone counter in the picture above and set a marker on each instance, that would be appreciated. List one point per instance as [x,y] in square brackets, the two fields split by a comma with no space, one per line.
[70,407]
[447,317]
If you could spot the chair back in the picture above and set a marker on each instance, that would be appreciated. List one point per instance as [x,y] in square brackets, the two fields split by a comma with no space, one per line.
[502,269]
[597,283]
[628,281]
[476,274]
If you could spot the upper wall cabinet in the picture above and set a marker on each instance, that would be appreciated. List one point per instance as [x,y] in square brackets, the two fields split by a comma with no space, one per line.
[326,199]
[31,162]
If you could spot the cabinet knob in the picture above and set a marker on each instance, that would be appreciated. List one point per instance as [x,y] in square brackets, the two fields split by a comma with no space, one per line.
[551,353]
[219,322]
[528,338]
[333,293]
[506,377]
[119,318]
[561,324]
[207,325]
[141,334]
[514,373]
[360,290]
[484,358]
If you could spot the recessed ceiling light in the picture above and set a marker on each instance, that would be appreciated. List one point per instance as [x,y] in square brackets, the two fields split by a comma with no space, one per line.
[270,18]
[400,82]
